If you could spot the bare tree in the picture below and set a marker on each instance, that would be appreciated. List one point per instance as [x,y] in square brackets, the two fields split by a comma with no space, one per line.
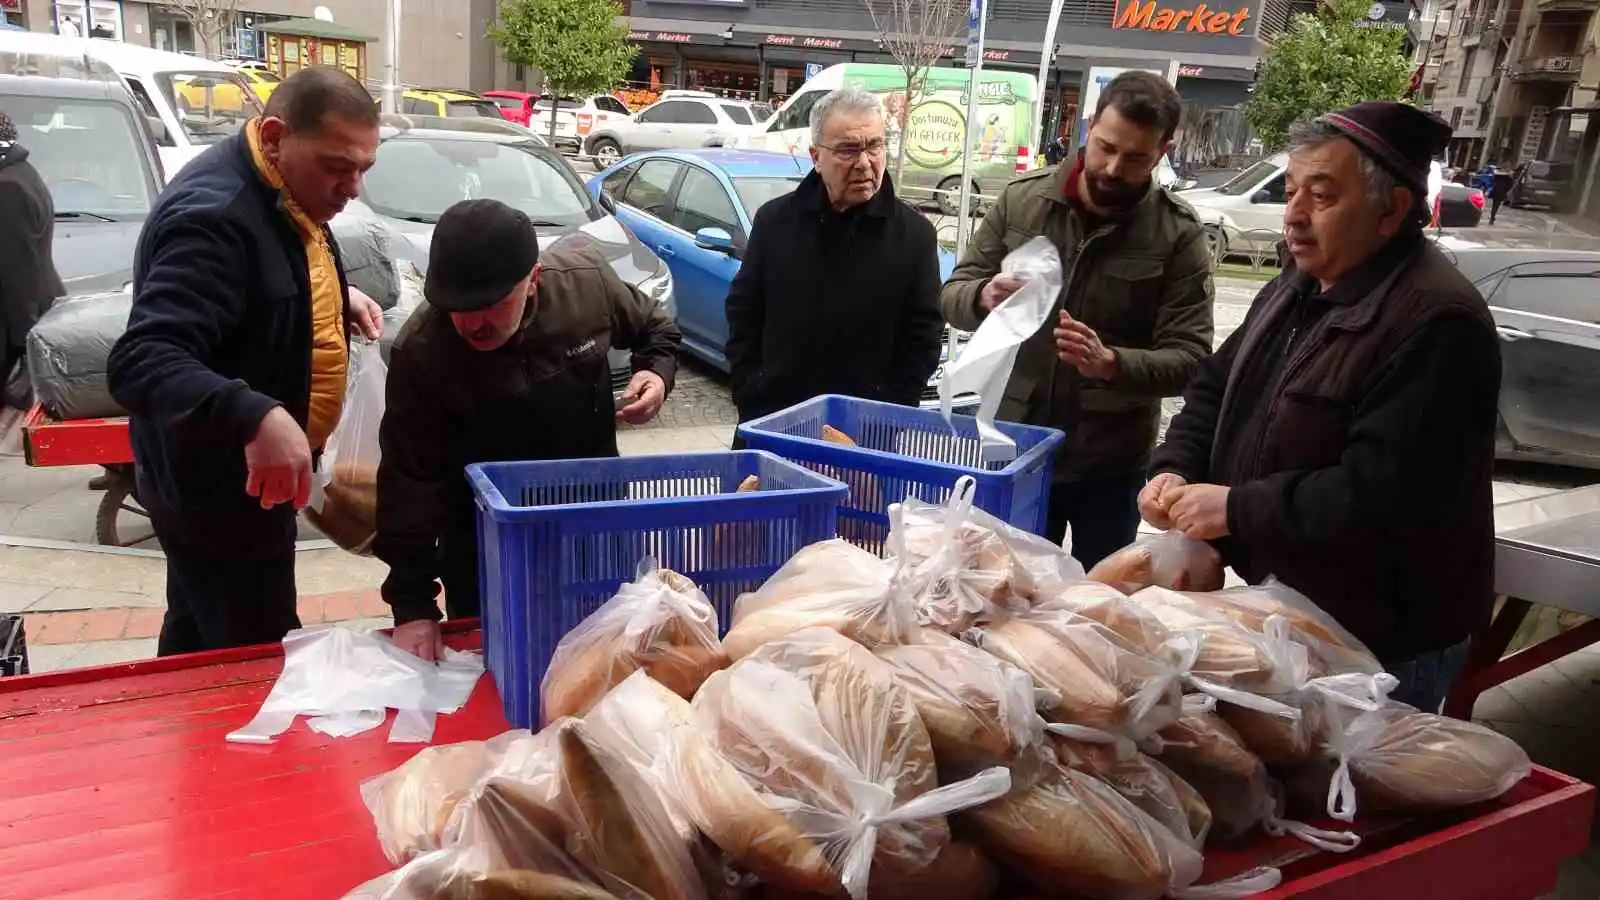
[208,20]
[917,33]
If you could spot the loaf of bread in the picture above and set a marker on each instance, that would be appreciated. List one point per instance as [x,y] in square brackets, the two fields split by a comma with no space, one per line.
[958,574]
[1277,740]
[960,872]
[1167,560]
[349,513]
[1332,649]
[521,884]
[1210,757]
[661,623]
[1108,606]
[1072,835]
[412,804]
[834,436]
[1231,655]
[831,584]
[978,709]
[1145,783]
[1402,759]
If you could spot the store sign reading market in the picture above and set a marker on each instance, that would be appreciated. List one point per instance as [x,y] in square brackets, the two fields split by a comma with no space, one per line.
[814,43]
[666,37]
[1151,15]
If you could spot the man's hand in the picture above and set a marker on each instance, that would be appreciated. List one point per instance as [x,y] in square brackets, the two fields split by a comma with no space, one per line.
[998,289]
[643,398]
[366,314]
[279,462]
[1200,511]
[420,638]
[1079,347]
[1155,501]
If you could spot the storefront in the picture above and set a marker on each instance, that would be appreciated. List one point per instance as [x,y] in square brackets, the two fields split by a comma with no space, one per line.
[89,18]
[295,44]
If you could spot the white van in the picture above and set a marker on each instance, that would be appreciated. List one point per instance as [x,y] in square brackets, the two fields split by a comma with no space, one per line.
[197,102]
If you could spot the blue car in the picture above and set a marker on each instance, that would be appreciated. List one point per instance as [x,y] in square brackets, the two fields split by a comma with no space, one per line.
[694,209]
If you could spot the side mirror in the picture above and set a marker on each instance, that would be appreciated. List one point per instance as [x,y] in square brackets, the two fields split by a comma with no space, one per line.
[1261,196]
[608,204]
[714,239]
[158,128]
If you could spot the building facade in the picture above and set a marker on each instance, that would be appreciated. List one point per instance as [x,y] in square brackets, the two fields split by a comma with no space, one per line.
[765,49]
[443,43]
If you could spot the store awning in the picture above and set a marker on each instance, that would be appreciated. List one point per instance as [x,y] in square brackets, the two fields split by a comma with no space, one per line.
[316,28]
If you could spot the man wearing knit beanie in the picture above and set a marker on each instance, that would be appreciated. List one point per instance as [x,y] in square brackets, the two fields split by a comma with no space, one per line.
[1343,439]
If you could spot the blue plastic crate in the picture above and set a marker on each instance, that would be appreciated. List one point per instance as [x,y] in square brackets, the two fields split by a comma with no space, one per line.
[556,539]
[903,451]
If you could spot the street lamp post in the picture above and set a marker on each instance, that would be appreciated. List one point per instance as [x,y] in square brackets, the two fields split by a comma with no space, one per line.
[979,9]
[392,89]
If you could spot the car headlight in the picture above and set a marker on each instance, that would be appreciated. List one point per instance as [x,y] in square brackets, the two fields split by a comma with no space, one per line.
[658,287]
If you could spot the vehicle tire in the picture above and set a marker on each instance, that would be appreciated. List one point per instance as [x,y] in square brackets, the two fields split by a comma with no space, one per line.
[948,196]
[120,520]
[605,152]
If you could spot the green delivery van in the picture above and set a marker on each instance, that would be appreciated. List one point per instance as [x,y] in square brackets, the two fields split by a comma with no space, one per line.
[935,128]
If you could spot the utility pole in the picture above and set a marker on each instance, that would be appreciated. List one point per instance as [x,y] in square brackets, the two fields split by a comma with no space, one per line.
[392,89]
[977,22]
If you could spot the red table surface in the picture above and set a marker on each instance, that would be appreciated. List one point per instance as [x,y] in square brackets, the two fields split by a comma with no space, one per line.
[116,783]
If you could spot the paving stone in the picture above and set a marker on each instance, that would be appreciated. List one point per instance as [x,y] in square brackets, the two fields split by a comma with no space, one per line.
[17,597]
[65,598]
[52,657]
[105,653]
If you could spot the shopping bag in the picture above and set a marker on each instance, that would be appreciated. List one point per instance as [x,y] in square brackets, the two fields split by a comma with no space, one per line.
[344,490]
[985,365]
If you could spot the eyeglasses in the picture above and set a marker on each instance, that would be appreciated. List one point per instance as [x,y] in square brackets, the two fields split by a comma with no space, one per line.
[852,152]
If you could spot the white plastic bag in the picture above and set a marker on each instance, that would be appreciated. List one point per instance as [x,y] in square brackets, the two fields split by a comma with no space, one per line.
[345,681]
[985,365]
[344,490]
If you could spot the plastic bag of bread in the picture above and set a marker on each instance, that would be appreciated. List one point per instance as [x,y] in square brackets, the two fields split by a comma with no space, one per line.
[1072,834]
[344,491]
[960,872]
[825,740]
[1108,606]
[1332,650]
[577,792]
[1203,750]
[978,709]
[831,584]
[459,874]
[1259,661]
[412,804]
[1167,560]
[1089,674]
[1278,728]
[963,565]
[1144,782]
[660,623]
[1391,756]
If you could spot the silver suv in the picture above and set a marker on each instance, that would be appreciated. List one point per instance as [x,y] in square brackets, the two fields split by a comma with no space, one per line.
[681,120]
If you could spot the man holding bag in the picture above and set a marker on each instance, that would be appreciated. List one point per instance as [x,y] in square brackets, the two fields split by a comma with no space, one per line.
[506,361]
[234,362]
[1133,321]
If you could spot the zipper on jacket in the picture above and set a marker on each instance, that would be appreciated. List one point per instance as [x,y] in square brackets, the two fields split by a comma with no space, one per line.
[1067,285]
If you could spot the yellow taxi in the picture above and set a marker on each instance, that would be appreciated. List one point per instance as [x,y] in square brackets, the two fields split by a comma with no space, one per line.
[261,81]
[448,102]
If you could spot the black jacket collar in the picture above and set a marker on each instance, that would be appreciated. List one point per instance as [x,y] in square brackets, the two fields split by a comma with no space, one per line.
[812,195]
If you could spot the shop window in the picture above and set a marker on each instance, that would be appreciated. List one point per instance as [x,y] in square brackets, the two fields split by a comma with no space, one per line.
[703,203]
[798,113]
[648,192]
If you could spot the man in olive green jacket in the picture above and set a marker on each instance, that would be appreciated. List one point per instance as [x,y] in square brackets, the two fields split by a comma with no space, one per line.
[1134,317]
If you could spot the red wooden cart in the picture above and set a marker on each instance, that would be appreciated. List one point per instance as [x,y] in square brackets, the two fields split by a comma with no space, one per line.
[49,442]
[118,784]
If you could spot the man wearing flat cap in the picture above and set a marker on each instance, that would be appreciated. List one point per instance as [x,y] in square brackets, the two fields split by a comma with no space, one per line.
[1342,439]
[505,361]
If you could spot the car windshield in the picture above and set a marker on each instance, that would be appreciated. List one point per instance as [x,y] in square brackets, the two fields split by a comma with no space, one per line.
[563,103]
[265,76]
[471,109]
[89,154]
[210,105]
[1249,178]
[754,193]
[738,115]
[418,178]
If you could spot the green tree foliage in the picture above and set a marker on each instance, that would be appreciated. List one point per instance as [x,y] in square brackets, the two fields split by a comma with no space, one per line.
[1324,62]
[577,44]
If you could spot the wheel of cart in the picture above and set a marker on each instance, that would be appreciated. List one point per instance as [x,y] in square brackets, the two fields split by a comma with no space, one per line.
[120,520]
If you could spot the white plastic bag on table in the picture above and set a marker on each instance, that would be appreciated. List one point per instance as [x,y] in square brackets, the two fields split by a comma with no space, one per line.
[830,584]
[344,489]
[817,730]
[345,681]
[1393,756]
[660,622]
[1232,656]
[984,367]
[412,804]
[1167,560]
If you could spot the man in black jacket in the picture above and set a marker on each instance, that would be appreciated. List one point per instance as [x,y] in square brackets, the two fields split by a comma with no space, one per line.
[235,359]
[28,279]
[1342,440]
[839,288]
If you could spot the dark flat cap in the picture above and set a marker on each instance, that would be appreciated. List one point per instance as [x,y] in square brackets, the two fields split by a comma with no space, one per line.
[1398,136]
[480,250]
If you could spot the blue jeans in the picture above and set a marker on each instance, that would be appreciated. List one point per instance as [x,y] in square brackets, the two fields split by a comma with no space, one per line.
[1426,680]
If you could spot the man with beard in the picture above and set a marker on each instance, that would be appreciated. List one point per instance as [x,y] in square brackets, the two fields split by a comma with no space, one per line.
[1134,316]
[1342,439]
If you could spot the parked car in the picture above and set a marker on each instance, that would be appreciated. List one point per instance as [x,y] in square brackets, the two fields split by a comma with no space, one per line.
[448,103]
[1547,184]
[515,106]
[262,82]
[678,122]
[1546,306]
[1245,213]
[695,208]
[425,165]
[94,148]
[575,118]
